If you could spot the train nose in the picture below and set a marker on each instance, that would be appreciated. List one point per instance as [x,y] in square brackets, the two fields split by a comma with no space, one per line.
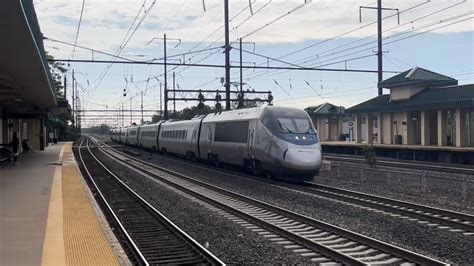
[303,158]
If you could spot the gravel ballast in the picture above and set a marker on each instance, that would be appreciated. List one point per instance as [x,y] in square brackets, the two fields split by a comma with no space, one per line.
[227,240]
[438,243]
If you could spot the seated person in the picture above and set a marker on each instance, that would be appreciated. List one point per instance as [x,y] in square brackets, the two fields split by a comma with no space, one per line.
[6,156]
[25,146]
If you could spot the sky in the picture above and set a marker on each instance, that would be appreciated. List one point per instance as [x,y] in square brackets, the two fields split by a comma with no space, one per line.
[436,35]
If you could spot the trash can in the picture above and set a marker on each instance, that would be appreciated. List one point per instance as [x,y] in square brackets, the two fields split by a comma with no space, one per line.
[397,139]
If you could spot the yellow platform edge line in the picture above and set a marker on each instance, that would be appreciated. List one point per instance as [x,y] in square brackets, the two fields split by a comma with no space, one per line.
[73,235]
[53,245]
[84,238]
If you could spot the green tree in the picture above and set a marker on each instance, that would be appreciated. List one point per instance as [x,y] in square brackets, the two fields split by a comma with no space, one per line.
[57,70]
[63,122]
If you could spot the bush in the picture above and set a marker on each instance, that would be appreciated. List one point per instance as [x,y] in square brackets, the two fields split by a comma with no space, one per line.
[369,154]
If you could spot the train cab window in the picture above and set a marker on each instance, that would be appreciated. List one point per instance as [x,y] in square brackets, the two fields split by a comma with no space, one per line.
[295,125]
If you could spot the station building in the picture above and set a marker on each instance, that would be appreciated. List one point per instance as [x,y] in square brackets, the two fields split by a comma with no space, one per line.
[329,120]
[425,116]
[27,100]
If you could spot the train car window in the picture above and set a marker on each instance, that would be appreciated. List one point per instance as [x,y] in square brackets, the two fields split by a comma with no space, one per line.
[232,132]
[147,134]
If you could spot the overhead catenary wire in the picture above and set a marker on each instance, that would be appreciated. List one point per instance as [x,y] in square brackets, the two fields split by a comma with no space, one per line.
[309,58]
[259,74]
[78,28]
[340,35]
[276,19]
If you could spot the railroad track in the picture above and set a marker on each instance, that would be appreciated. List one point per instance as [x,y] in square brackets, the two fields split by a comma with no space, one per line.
[318,241]
[411,165]
[427,215]
[436,217]
[152,238]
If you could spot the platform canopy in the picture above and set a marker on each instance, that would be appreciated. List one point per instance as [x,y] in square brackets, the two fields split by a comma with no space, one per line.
[25,80]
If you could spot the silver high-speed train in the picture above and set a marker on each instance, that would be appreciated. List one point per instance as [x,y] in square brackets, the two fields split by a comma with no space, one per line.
[278,141]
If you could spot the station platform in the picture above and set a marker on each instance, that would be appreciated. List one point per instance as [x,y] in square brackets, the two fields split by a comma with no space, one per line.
[443,154]
[46,215]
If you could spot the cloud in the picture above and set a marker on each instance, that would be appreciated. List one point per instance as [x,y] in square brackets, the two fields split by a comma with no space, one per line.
[108,21]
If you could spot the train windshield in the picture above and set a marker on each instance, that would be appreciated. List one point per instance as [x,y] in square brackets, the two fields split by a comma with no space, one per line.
[295,125]
[288,121]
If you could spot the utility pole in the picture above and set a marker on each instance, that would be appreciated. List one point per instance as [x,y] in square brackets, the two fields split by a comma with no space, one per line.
[123,118]
[379,45]
[174,95]
[142,105]
[131,111]
[75,107]
[241,96]
[78,109]
[166,79]
[161,104]
[241,77]
[227,55]
[118,116]
[165,64]
[65,88]
[379,37]
[73,114]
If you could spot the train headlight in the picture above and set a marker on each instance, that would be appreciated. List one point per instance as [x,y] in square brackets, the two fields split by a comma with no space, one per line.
[296,137]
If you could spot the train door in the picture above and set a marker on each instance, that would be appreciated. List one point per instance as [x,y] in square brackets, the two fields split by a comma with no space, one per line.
[251,137]
[157,139]
[205,140]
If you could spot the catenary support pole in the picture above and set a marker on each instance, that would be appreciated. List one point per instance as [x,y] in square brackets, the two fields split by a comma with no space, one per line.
[227,55]
[174,95]
[141,106]
[379,45]
[166,79]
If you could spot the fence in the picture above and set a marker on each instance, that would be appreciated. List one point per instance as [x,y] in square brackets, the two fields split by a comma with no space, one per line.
[444,187]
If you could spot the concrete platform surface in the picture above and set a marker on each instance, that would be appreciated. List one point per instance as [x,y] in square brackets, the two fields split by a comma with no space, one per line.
[46,217]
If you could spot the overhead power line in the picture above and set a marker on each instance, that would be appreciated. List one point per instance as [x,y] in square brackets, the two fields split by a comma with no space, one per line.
[219,66]
[276,19]
[78,27]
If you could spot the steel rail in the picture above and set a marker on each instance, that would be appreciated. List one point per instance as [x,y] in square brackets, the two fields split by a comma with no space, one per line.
[208,256]
[411,165]
[379,245]
[397,206]
[439,216]
[109,208]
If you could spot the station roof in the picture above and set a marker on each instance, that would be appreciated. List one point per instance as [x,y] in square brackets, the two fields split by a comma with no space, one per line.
[325,109]
[430,98]
[417,76]
[25,79]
